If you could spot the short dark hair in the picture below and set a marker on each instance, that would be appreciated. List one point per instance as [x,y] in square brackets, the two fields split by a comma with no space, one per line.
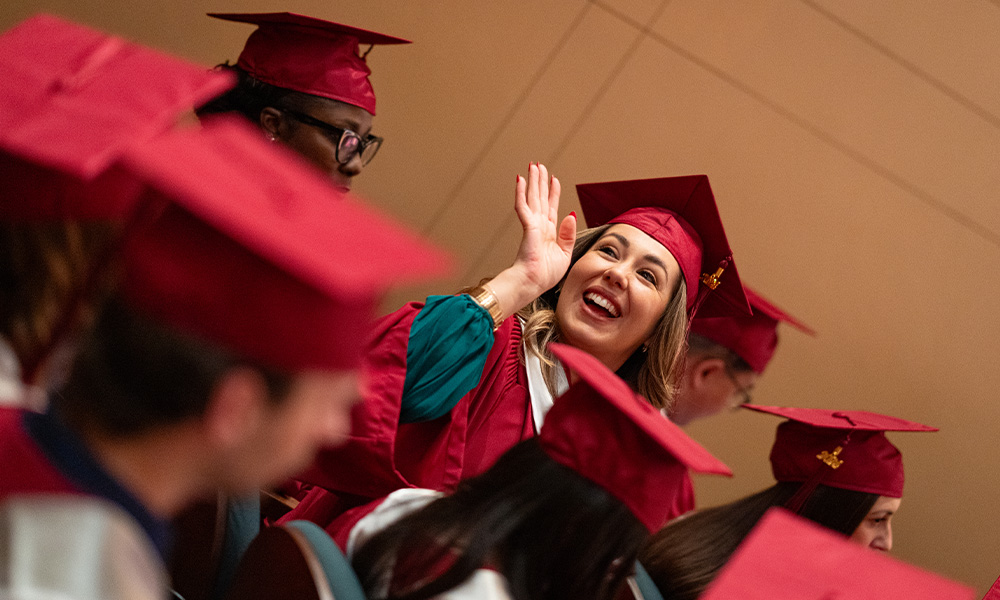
[250,96]
[549,531]
[686,555]
[132,374]
[701,346]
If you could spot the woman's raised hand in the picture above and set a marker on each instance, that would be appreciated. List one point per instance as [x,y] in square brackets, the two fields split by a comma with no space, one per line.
[546,243]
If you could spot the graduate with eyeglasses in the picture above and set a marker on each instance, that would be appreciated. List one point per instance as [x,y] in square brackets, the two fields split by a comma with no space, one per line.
[304,82]
[725,358]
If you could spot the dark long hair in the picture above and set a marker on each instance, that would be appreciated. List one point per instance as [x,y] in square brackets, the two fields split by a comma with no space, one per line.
[550,532]
[686,555]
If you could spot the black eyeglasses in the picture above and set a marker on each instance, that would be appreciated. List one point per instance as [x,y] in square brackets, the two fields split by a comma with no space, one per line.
[348,143]
[746,393]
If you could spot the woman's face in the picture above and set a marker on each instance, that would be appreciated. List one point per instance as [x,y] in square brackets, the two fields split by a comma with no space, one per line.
[876,530]
[319,147]
[614,296]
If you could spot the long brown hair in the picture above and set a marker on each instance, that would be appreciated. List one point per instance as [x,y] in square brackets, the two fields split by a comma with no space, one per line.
[43,267]
[653,372]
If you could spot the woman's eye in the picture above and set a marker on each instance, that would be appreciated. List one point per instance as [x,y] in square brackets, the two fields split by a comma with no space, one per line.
[610,251]
[648,276]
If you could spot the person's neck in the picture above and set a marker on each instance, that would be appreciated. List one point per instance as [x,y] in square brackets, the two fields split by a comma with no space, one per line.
[162,468]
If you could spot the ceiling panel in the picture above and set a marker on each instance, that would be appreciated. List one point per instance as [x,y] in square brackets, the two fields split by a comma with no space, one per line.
[851,95]
[918,32]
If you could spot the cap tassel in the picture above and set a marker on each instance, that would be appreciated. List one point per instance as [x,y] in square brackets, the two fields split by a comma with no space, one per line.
[709,283]
[830,461]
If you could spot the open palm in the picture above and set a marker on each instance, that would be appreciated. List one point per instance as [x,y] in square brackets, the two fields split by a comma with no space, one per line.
[546,244]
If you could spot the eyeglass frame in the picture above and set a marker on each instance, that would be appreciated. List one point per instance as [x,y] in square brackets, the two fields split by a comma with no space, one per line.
[745,391]
[340,133]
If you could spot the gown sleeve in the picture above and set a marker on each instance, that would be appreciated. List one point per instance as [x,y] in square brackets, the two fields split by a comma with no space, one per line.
[367,465]
[450,339]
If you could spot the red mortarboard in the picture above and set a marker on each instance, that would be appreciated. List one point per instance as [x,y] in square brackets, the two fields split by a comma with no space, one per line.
[609,434]
[74,99]
[256,252]
[681,214]
[839,448]
[789,557]
[753,338]
[309,55]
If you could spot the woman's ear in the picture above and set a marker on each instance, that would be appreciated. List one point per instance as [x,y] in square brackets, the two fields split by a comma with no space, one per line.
[271,122]
[236,407]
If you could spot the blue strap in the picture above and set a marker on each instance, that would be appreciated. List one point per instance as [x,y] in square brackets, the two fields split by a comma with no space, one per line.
[343,581]
[645,582]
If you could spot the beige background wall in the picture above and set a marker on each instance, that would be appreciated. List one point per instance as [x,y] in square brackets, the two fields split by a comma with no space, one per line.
[853,146]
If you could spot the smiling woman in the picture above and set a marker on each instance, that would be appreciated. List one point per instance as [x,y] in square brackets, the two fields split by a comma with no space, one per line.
[460,379]
[304,82]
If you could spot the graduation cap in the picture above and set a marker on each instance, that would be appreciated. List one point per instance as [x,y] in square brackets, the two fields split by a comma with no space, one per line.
[609,434]
[310,55]
[753,338]
[75,100]
[681,214]
[786,556]
[253,250]
[839,448]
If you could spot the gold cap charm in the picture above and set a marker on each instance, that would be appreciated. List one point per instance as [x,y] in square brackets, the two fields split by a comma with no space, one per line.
[713,280]
[830,458]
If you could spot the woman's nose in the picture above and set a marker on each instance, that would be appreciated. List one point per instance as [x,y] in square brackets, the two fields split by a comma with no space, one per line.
[884,541]
[616,276]
[353,166]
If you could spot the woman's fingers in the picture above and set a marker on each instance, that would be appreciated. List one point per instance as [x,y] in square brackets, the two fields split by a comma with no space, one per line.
[533,198]
[543,190]
[554,192]
[520,200]
[567,233]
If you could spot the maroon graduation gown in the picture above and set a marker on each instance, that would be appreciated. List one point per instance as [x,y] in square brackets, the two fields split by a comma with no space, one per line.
[24,466]
[382,456]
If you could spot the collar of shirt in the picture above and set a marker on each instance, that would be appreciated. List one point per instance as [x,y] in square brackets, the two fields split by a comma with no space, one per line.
[67,453]
[541,399]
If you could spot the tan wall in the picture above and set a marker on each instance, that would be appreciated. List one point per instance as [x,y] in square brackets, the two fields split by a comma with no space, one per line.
[853,146]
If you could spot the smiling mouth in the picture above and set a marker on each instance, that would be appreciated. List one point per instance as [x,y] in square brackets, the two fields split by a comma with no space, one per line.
[600,302]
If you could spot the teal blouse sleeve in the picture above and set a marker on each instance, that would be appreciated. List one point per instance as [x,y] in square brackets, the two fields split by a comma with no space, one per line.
[450,340]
